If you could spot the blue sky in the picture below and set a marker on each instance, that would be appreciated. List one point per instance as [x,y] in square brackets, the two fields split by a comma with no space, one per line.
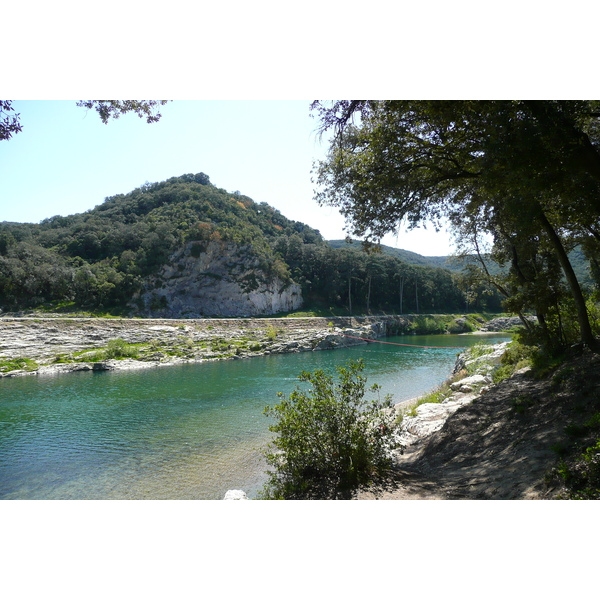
[269,54]
[67,161]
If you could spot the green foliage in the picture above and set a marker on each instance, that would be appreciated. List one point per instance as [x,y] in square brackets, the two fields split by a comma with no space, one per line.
[271,333]
[517,352]
[428,325]
[434,397]
[106,109]
[579,467]
[19,363]
[330,439]
[99,259]
[481,349]
[516,356]
[116,349]
[9,123]
[582,475]
[113,109]
[119,348]
[526,173]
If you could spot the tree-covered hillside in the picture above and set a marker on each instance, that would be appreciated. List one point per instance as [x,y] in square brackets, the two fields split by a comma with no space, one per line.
[102,258]
[411,258]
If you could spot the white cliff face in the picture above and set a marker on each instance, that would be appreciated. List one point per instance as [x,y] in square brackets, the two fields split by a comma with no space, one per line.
[224,279]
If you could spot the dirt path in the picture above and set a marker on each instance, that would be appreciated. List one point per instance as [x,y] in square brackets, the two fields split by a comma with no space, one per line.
[503,445]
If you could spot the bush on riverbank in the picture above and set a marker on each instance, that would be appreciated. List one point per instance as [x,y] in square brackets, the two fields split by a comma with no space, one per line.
[330,440]
[116,349]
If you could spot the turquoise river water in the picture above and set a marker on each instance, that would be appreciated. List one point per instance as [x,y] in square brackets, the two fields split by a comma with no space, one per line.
[180,432]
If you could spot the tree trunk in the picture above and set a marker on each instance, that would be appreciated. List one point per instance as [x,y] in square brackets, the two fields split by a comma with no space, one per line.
[585,329]
[417,294]
[350,294]
[401,294]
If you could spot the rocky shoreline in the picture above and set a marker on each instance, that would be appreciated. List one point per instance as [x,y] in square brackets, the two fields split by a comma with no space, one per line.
[52,345]
[464,389]
[47,345]
[511,440]
[517,439]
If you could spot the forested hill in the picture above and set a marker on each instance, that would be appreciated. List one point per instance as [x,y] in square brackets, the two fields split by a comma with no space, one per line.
[126,252]
[411,258]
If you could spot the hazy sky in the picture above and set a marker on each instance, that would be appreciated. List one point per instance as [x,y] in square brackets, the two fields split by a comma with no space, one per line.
[67,161]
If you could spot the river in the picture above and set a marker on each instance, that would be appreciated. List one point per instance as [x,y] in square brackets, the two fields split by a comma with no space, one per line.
[179,432]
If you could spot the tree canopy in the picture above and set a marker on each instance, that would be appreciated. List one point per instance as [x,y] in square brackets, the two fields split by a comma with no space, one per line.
[113,109]
[10,122]
[526,172]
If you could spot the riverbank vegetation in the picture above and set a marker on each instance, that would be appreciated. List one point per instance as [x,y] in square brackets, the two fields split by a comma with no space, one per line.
[525,425]
[519,183]
[330,439]
[523,174]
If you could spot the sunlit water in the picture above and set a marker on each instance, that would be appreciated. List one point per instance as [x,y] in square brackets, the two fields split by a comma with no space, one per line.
[179,432]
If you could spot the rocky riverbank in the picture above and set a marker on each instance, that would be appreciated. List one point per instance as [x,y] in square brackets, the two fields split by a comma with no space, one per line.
[36,345]
[530,436]
[472,377]
[521,438]
[42,345]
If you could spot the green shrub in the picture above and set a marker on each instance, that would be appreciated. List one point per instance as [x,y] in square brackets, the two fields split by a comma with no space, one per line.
[330,440]
[119,348]
[516,356]
[481,349]
[115,349]
[271,333]
[428,325]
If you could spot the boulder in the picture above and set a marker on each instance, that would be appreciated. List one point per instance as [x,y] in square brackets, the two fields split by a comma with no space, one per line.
[235,495]
[468,383]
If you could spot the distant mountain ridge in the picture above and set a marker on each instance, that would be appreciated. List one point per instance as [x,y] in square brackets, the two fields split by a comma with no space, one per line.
[411,258]
[455,264]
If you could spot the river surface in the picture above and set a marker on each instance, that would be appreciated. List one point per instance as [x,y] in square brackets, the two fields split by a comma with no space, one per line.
[179,432]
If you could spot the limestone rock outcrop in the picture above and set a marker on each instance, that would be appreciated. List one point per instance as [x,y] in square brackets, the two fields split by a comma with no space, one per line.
[220,279]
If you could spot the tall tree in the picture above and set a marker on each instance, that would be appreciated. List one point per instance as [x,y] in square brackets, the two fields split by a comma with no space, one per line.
[537,162]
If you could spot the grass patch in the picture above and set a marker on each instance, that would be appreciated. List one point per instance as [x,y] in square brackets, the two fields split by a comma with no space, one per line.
[517,356]
[17,364]
[481,349]
[434,397]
